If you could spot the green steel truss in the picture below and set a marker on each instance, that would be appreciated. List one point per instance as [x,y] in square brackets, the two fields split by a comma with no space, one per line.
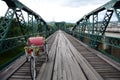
[117,11]
[60,25]
[39,24]
[89,25]
[32,26]
[84,28]
[106,21]
[95,24]
[99,30]
[21,20]
[5,22]
[91,30]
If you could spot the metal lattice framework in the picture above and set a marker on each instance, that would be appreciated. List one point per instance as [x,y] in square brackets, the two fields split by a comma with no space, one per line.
[6,21]
[21,20]
[34,25]
[60,25]
[90,27]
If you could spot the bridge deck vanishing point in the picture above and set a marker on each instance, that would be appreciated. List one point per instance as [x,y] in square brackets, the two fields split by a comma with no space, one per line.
[70,59]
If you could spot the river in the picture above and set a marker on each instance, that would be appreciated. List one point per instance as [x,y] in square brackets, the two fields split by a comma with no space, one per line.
[112,34]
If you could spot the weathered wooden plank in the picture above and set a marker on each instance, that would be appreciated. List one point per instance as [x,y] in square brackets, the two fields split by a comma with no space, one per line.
[48,68]
[19,79]
[74,69]
[12,68]
[88,69]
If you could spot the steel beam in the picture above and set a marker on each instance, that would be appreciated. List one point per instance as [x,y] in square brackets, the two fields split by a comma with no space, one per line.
[117,11]
[5,24]
[39,25]
[18,4]
[95,24]
[30,24]
[106,21]
[21,20]
[107,6]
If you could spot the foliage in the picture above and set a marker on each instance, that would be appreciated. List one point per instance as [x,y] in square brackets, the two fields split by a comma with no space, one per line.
[69,25]
[14,29]
[7,56]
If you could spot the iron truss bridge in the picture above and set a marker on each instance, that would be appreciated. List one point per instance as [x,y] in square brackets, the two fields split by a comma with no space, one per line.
[16,28]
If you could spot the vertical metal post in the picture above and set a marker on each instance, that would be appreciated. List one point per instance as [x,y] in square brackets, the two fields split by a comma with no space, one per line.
[30,24]
[79,29]
[45,29]
[84,23]
[117,12]
[35,27]
[92,24]
[88,25]
[95,24]
[94,32]
[39,25]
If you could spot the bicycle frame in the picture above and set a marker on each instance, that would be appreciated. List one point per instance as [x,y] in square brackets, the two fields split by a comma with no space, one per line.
[31,58]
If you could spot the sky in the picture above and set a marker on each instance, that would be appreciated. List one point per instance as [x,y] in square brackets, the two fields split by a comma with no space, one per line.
[59,10]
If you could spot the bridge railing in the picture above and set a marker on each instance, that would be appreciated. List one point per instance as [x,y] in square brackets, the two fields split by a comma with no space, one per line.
[12,47]
[91,29]
[109,46]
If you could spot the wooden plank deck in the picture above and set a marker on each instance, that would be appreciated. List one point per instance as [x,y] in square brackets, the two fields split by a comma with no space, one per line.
[70,59]
[62,64]
[65,63]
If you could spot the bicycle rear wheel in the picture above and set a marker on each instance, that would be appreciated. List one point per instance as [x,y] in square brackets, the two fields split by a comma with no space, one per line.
[32,68]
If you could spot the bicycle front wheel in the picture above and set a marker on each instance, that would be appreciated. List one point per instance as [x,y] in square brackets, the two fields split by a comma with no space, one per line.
[32,68]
